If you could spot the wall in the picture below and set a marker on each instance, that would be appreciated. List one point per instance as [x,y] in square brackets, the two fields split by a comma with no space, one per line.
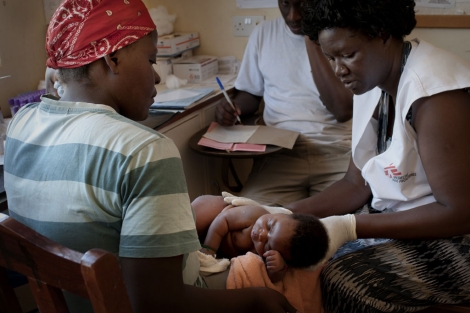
[23,28]
[213,20]
[22,52]
[451,39]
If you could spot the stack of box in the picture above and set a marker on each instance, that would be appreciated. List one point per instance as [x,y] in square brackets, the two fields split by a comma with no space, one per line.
[196,69]
[175,44]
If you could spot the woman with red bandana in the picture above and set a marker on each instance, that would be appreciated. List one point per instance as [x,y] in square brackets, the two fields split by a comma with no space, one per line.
[82,172]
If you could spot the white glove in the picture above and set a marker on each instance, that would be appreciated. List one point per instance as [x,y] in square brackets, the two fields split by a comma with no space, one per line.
[240,201]
[340,229]
[237,201]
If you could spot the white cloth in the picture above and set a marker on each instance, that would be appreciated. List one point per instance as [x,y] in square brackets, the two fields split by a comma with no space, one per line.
[276,66]
[210,264]
[397,177]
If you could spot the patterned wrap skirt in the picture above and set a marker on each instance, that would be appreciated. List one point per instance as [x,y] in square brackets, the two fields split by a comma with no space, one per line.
[384,275]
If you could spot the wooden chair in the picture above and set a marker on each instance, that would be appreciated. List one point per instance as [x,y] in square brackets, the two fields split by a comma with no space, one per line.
[51,268]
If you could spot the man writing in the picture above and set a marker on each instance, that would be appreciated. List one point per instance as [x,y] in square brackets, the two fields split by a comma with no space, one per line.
[276,68]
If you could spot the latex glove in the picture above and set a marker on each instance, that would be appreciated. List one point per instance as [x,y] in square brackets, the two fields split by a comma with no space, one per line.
[237,201]
[340,229]
[241,201]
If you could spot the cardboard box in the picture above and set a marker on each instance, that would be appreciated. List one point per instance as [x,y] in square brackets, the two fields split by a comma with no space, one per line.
[173,44]
[196,69]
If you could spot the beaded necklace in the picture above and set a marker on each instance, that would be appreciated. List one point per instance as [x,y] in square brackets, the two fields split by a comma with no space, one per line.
[384,106]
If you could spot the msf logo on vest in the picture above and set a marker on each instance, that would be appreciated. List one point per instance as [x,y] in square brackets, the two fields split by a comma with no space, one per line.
[392,172]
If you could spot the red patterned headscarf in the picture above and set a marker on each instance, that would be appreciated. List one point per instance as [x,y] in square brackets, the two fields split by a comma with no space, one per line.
[83,31]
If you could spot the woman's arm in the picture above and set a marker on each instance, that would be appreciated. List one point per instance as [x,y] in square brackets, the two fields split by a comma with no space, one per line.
[156,285]
[442,125]
[344,196]
[335,97]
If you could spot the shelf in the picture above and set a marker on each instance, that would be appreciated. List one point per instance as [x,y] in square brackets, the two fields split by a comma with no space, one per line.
[443,21]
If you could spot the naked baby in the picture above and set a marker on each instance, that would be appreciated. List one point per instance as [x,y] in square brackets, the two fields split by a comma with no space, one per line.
[282,239]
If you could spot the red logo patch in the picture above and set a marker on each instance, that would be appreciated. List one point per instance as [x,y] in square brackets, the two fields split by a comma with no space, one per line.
[391,171]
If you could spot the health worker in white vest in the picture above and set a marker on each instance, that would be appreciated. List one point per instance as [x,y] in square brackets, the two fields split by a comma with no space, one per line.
[408,179]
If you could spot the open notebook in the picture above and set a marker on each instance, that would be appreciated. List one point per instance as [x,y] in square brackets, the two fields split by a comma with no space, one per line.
[247,137]
[229,146]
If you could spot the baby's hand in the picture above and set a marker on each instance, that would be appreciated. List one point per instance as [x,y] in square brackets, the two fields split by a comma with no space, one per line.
[274,261]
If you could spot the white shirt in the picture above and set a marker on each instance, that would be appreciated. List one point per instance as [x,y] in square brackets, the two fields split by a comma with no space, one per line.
[276,67]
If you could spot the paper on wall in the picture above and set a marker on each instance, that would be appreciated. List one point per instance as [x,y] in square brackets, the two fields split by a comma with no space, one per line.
[255,4]
[435,4]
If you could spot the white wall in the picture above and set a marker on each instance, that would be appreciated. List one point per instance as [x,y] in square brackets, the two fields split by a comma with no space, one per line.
[451,39]
[213,20]
[22,48]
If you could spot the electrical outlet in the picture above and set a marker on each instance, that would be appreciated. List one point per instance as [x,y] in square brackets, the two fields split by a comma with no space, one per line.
[244,25]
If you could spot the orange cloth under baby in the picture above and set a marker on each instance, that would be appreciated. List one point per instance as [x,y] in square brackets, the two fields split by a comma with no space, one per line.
[300,287]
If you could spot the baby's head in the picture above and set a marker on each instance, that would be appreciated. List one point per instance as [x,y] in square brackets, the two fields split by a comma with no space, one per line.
[301,239]
[309,243]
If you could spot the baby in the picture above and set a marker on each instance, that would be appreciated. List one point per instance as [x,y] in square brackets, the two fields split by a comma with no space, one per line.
[283,240]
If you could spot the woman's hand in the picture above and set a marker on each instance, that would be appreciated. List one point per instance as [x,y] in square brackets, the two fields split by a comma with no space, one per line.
[241,201]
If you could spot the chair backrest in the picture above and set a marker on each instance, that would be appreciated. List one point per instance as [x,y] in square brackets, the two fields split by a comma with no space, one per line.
[51,268]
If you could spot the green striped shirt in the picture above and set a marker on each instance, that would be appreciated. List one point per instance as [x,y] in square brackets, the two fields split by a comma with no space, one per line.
[87,177]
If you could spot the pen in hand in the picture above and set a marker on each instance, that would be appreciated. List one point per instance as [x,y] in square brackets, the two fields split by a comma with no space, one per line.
[226,97]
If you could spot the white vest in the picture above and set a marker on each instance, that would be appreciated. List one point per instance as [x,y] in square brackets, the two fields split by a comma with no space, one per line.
[397,177]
